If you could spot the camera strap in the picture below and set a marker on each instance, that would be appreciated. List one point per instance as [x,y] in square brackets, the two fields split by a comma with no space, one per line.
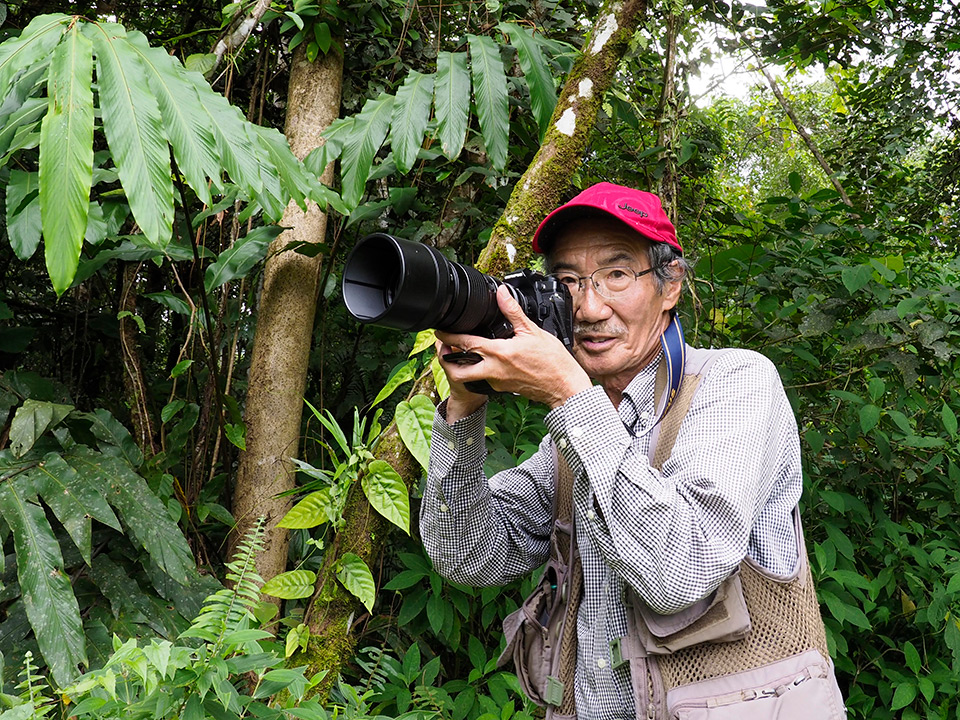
[674,359]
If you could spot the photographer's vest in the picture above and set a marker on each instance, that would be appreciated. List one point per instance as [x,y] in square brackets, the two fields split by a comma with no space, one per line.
[753,649]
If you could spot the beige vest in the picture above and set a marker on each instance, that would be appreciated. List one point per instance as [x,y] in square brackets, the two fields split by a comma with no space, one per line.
[755,648]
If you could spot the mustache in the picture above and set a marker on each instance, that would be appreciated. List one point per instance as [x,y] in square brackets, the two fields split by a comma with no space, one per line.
[606,328]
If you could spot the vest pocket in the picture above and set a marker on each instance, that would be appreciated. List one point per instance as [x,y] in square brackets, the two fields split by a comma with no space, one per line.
[532,635]
[797,688]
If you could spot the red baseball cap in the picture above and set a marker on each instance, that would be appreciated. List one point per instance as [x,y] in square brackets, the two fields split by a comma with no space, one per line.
[640,211]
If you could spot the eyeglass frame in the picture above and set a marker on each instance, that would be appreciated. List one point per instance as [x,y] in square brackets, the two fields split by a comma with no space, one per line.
[596,286]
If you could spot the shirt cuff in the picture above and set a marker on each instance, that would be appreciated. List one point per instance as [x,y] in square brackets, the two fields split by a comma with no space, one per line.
[460,444]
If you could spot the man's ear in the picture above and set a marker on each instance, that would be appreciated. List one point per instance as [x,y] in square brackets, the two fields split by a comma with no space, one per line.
[671,292]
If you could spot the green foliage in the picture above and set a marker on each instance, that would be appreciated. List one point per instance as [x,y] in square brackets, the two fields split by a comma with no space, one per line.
[233,673]
[150,108]
[859,314]
[65,469]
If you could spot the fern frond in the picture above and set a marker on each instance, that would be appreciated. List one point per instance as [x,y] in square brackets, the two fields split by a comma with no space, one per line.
[32,689]
[230,610]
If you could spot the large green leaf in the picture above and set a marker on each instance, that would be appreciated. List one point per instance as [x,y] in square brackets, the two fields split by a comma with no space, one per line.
[290,585]
[18,130]
[490,95]
[228,125]
[31,420]
[47,594]
[73,499]
[357,578]
[451,100]
[401,374]
[543,95]
[35,43]
[387,493]
[66,157]
[144,516]
[135,134]
[415,422]
[23,213]
[237,260]
[107,428]
[362,145]
[194,147]
[315,509]
[411,112]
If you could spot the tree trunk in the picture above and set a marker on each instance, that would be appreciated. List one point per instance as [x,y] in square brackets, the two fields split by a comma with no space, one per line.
[284,331]
[543,185]
[134,384]
[332,610]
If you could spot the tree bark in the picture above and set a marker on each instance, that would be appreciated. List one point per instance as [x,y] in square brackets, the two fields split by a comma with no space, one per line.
[332,610]
[543,185]
[284,331]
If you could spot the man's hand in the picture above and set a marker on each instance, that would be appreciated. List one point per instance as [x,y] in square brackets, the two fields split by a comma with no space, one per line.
[532,363]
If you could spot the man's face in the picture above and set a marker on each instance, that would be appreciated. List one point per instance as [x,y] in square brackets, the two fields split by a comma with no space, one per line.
[615,338]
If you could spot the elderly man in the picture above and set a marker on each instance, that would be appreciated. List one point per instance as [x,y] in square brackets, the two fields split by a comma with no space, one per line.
[696,596]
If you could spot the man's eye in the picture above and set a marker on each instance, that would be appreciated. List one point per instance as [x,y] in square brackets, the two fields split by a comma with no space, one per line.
[568,280]
[616,274]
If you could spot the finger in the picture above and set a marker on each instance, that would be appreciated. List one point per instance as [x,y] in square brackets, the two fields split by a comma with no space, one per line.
[511,310]
[460,340]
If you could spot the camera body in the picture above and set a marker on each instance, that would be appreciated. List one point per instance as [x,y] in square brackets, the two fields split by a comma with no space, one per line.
[410,286]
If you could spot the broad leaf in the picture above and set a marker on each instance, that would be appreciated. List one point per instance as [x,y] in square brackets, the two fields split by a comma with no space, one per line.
[23,213]
[194,146]
[142,513]
[402,374]
[411,111]
[490,95]
[425,339]
[451,100]
[31,420]
[387,493]
[543,95]
[315,509]
[73,499]
[108,429]
[35,43]
[134,130]
[66,157]
[47,594]
[440,378]
[362,145]
[290,585]
[357,578]
[237,260]
[415,421]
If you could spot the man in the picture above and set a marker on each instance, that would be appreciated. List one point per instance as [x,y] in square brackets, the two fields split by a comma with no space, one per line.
[657,544]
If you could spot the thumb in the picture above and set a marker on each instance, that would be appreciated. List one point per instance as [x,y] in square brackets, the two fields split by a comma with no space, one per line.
[511,309]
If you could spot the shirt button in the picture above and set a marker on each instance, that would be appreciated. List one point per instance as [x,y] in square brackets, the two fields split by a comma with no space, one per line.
[644,415]
[591,515]
[602,663]
[562,444]
[452,445]
[444,508]
[577,432]
[469,441]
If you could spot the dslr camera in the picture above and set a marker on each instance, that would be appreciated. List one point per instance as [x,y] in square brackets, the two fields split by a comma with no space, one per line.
[409,286]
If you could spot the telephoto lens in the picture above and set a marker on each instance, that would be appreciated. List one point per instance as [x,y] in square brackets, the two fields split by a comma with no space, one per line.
[409,286]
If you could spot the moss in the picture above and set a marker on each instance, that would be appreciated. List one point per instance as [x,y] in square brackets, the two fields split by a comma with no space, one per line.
[327,651]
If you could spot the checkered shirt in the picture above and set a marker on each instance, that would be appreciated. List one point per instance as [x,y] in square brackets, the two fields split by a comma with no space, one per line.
[727,491]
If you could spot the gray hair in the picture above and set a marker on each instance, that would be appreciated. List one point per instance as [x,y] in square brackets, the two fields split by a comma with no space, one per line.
[668,263]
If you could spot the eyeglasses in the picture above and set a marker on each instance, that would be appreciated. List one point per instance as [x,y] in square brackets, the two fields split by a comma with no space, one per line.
[609,282]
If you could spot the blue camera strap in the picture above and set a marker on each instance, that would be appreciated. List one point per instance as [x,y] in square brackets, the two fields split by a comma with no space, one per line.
[674,358]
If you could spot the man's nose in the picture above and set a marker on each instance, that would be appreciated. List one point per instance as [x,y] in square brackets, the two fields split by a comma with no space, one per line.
[591,305]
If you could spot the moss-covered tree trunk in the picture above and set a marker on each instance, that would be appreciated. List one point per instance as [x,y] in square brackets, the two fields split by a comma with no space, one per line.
[281,347]
[542,187]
